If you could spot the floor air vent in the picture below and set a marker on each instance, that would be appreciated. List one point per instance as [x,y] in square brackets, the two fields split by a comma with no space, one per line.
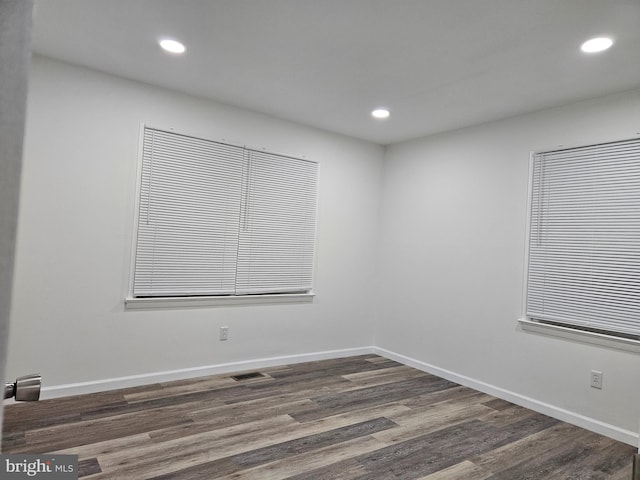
[247,376]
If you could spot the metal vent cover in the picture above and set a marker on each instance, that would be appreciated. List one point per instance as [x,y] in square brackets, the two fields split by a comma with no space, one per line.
[247,376]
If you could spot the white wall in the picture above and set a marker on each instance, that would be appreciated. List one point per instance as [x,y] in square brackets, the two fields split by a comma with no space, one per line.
[453,242]
[15,34]
[449,261]
[75,228]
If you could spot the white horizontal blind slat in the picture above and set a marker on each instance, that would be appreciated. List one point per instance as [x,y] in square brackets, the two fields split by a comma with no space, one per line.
[188,217]
[584,244]
[277,228]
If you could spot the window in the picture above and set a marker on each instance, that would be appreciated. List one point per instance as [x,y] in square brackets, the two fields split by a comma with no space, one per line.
[584,238]
[222,220]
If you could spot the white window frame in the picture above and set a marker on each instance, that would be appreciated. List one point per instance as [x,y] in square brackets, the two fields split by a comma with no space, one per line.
[131,302]
[600,337]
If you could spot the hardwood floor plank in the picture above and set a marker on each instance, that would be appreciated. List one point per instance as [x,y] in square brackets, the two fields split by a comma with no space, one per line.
[459,392]
[387,410]
[88,466]
[83,432]
[312,442]
[333,367]
[217,444]
[387,391]
[430,453]
[225,416]
[297,452]
[106,447]
[529,447]
[498,404]
[508,415]
[168,390]
[357,418]
[544,465]
[314,460]
[601,463]
[13,440]
[252,405]
[422,424]
[349,469]
[386,375]
[446,447]
[323,384]
[154,459]
[420,413]
[374,358]
[369,396]
[465,470]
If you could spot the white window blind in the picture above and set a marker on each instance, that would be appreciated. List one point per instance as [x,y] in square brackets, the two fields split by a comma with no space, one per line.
[217,219]
[584,244]
[277,225]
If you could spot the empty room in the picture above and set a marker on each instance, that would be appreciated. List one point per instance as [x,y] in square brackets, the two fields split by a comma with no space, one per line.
[320,239]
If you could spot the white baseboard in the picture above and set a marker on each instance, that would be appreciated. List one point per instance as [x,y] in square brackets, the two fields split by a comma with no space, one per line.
[602,428]
[94,386]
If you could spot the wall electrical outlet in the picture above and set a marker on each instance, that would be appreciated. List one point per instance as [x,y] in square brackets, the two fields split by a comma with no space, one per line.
[596,379]
[224,333]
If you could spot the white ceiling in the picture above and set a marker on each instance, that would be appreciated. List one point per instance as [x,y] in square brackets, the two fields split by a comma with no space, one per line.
[436,64]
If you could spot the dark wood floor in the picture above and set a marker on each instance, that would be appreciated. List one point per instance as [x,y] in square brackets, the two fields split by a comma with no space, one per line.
[356,418]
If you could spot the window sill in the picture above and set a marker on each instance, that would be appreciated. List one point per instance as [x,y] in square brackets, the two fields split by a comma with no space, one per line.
[593,338]
[196,302]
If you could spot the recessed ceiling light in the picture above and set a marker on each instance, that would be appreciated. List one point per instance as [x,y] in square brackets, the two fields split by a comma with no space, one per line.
[380,113]
[172,46]
[596,45]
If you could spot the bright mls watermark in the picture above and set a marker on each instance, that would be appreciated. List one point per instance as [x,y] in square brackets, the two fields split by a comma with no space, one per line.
[51,467]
